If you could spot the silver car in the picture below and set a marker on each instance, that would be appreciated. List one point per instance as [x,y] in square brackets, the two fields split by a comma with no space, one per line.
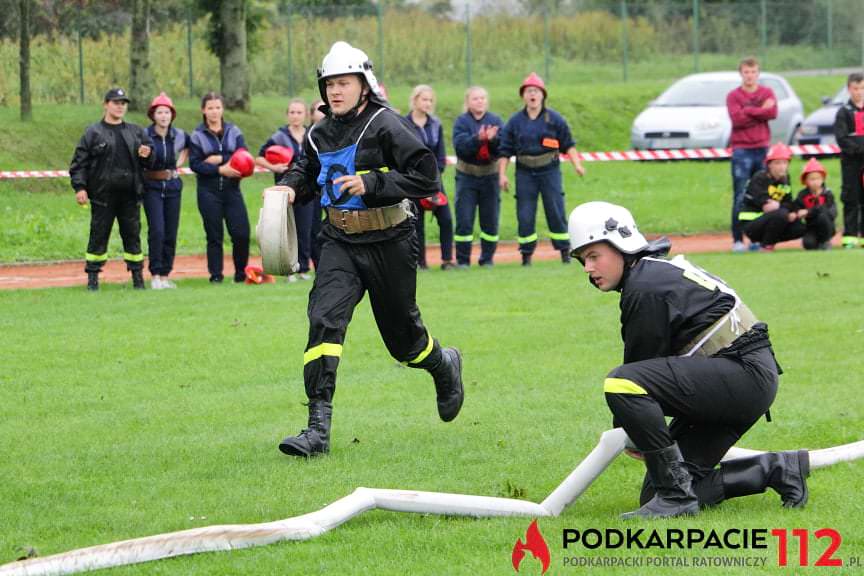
[692,113]
[818,127]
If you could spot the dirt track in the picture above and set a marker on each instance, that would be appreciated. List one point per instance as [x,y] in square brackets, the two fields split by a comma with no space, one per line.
[71,273]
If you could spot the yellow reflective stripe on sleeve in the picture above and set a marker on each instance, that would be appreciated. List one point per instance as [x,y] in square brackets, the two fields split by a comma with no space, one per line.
[527,239]
[489,237]
[133,257]
[468,238]
[559,235]
[426,351]
[746,216]
[325,349]
[95,257]
[382,169]
[622,386]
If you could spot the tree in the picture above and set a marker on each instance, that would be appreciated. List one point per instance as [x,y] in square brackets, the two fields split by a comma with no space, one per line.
[227,39]
[24,58]
[140,76]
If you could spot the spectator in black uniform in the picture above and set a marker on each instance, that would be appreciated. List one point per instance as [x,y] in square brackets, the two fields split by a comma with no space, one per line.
[694,351]
[106,172]
[366,164]
[768,209]
[849,132]
[816,207]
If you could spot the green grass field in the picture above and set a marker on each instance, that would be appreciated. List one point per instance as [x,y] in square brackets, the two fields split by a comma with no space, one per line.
[125,414]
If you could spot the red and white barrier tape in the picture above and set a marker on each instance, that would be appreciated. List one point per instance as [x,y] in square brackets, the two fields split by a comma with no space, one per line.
[614,156]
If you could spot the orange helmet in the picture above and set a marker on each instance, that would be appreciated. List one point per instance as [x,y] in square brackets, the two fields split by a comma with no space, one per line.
[243,162]
[533,80]
[161,100]
[813,165]
[778,151]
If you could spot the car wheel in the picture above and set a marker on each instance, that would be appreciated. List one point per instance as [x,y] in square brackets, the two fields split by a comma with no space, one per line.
[792,134]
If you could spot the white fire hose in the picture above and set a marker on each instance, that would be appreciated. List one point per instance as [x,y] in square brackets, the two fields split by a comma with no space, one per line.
[234,536]
[277,235]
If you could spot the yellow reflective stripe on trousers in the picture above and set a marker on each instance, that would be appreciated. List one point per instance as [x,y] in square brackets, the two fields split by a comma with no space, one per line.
[747,216]
[622,386]
[426,351]
[468,238]
[133,257]
[851,240]
[559,235]
[324,349]
[527,239]
[95,257]
[489,237]
[382,169]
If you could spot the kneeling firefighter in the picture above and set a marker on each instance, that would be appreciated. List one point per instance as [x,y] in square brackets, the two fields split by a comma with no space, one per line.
[694,351]
[366,164]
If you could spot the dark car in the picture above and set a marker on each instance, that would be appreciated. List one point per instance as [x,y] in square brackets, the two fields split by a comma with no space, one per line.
[818,127]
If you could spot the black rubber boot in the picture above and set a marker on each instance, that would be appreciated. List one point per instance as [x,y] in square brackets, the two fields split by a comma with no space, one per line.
[137,280]
[565,256]
[93,281]
[526,259]
[448,384]
[674,491]
[785,472]
[315,439]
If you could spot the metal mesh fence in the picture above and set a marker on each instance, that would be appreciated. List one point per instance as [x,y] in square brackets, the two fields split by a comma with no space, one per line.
[567,41]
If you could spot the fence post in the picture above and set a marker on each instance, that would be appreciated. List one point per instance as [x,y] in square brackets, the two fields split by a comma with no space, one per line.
[696,35]
[624,41]
[829,14]
[546,40]
[379,68]
[80,67]
[763,34]
[289,52]
[189,52]
[468,55]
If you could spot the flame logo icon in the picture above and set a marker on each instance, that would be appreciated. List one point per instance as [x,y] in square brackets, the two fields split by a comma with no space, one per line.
[534,543]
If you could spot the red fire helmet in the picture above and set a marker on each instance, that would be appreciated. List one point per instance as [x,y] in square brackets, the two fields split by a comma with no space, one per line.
[243,162]
[279,154]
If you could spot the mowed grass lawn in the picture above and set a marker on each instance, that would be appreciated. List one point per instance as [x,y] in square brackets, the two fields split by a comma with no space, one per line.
[125,414]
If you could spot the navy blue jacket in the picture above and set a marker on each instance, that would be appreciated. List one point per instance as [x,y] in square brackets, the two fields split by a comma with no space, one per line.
[204,143]
[432,135]
[525,137]
[465,140]
[283,137]
[166,150]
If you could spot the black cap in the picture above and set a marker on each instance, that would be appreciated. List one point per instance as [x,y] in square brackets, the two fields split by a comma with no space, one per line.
[116,94]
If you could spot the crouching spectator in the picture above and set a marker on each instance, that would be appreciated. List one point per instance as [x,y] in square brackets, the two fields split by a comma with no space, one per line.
[816,207]
[768,210]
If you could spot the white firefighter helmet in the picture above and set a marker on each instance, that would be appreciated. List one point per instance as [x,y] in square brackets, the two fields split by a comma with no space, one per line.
[345,59]
[598,221]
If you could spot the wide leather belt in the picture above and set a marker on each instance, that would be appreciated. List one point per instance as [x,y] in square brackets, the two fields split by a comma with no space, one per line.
[537,161]
[478,170]
[160,174]
[358,221]
[722,333]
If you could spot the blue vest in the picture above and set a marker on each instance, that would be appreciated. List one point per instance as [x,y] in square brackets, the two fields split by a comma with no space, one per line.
[335,164]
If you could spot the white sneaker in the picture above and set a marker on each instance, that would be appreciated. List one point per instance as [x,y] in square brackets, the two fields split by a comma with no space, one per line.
[156,283]
[292,278]
[166,283]
[739,247]
[305,276]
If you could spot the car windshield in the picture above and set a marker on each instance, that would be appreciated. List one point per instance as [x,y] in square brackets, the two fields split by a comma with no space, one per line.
[841,97]
[690,92]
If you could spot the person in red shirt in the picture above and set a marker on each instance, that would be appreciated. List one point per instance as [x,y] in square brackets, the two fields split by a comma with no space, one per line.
[750,107]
